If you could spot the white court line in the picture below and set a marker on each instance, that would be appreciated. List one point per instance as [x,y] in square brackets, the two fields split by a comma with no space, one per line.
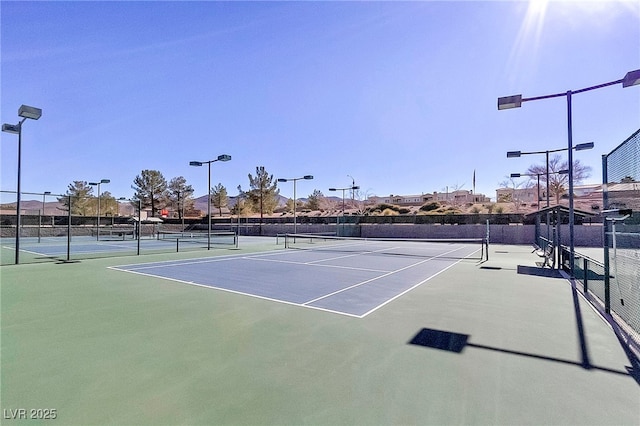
[413,287]
[315,264]
[381,276]
[257,256]
[257,296]
[170,263]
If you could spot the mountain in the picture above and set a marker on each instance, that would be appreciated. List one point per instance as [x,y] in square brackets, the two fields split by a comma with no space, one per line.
[200,203]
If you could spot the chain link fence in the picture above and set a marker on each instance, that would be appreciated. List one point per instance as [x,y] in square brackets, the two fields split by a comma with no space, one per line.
[40,233]
[621,199]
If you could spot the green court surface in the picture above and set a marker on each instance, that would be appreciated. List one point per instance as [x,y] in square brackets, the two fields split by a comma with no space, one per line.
[477,343]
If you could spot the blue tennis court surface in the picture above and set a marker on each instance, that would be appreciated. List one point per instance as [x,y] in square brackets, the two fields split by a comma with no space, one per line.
[350,283]
[86,245]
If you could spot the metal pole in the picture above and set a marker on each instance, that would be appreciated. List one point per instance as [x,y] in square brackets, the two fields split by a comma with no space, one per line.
[209,209]
[40,212]
[139,224]
[98,218]
[547,178]
[69,231]
[605,237]
[294,206]
[571,212]
[18,194]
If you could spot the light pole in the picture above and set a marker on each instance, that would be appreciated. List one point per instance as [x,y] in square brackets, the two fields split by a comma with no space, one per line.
[352,188]
[25,112]
[517,175]
[517,154]
[353,183]
[181,207]
[222,157]
[98,221]
[137,226]
[44,194]
[295,200]
[632,78]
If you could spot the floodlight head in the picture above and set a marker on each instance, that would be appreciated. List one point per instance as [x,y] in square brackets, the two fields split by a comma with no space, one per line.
[282,180]
[308,177]
[583,146]
[563,172]
[332,189]
[11,128]
[93,183]
[195,163]
[508,102]
[355,187]
[515,175]
[105,180]
[224,157]
[514,154]
[631,78]
[29,112]
[46,193]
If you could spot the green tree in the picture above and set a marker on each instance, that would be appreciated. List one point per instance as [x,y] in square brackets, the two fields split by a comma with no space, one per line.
[108,204]
[313,200]
[81,195]
[241,207]
[151,190]
[558,183]
[263,195]
[219,197]
[180,195]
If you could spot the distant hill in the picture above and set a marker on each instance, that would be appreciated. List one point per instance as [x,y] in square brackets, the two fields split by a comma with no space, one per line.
[33,206]
[201,202]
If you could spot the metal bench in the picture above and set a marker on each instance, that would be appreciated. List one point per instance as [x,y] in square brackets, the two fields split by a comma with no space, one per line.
[546,253]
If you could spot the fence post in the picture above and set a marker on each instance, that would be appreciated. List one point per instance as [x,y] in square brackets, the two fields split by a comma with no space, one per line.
[605,237]
[585,271]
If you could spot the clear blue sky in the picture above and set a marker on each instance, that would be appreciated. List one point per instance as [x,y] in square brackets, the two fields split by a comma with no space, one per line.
[401,96]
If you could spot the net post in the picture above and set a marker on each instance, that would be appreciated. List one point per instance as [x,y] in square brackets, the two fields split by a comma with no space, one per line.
[487,240]
[69,231]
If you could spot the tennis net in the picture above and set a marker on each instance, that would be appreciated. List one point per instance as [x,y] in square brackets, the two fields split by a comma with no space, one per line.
[461,248]
[114,233]
[216,238]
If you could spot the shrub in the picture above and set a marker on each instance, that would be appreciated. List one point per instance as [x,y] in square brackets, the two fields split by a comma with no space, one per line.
[385,206]
[430,206]
[389,212]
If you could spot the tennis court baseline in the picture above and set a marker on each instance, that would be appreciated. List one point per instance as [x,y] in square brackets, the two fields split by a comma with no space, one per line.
[345,278]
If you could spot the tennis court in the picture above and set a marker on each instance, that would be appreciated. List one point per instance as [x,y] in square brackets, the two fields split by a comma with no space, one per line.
[342,275]
[444,338]
[113,243]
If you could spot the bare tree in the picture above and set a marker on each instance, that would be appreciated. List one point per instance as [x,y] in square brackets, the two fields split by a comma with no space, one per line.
[558,182]
[513,196]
